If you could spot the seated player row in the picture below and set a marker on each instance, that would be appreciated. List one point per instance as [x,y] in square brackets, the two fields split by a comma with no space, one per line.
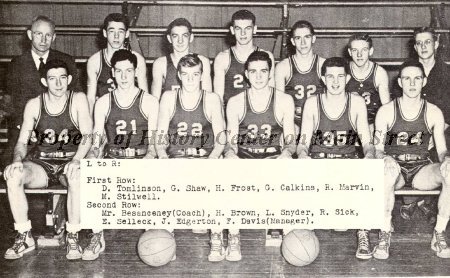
[189,123]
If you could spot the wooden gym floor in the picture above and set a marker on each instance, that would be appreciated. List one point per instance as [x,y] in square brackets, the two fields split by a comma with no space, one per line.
[410,254]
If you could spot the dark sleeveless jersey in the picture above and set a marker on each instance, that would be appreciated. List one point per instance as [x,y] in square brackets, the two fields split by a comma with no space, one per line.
[190,130]
[171,82]
[408,136]
[367,89]
[302,84]
[105,80]
[235,82]
[334,136]
[260,133]
[126,127]
[56,135]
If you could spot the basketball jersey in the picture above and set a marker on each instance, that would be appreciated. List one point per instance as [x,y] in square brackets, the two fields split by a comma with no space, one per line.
[105,81]
[334,136]
[260,133]
[171,82]
[302,84]
[367,89]
[408,136]
[190,130]
[56,133]
[126,127]
[235,82]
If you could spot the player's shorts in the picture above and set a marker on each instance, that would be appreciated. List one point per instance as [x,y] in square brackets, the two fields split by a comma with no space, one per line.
[353,155]
[258,153]
[52,165]
[128,153]
[409,168]
[190,153]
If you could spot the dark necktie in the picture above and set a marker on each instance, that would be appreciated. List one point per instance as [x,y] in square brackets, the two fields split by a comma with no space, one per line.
[41,65]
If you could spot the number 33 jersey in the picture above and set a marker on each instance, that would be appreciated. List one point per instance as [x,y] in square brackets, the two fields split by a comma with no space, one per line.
[190,130]
[302,84]
[56,132]
[126,127]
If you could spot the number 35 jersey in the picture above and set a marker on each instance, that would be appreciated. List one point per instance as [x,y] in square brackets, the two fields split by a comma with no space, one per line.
[126,127]
[302,84]
[366,89]
[190,130]
[56,133]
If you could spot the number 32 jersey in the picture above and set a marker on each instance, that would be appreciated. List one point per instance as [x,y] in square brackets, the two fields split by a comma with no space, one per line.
[302,84]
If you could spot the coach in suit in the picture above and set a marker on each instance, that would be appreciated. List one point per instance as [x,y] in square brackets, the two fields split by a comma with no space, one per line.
[23,79]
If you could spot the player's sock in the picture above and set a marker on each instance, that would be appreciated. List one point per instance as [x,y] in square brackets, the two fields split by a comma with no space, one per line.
[95,247]
[381,251]
[233,252]
[441,223]
[217,251]
[363,251]
[23,243]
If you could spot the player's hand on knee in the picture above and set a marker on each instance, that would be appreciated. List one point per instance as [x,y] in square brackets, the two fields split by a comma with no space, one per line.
[445,167]
[391,166]
[149,156]
[304,156]
[284,156]
[12,168]
[72,168]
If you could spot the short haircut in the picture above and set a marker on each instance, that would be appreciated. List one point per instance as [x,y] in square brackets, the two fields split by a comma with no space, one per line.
[243,15]
[115,17]
[302,24]
[426,29]
[189,61]
[334,62]
[259,56]
[54,64]
[411,63]
[179,22]
[360,37]
[123,55]
[44,19]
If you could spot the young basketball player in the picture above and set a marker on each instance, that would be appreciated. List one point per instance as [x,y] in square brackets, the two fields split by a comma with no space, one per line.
[58,123]
[406,126]
[333,123]
[368,79]
[99,69]
[299,74]
[128,117]
[229,64]
[259,120]
[179,35]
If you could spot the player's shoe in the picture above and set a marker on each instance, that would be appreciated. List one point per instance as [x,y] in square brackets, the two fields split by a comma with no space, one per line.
[199,231]
[381,251]
[73,248]
[363,252]
[217,251]
[407,210]
[439,245]
[233,252]
[23,243]
[95,247]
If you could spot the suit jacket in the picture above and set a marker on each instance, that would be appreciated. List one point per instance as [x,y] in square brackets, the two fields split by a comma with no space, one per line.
[23,80]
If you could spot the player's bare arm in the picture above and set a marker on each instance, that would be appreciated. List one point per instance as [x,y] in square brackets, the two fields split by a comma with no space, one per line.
[93,65]
[206,75]
[98,136]
[30,115]
[309,119]
[382,83]
[235,112]
[165,113]
[359,115]
[150,106]
[158,73]
[435,119]
[214,112]
[221,63]
[286,108]
[141,72]
[282,70]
